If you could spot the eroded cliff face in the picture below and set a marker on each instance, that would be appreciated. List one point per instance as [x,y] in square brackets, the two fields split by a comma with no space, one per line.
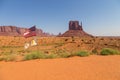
[74,25]
[75,30]
[17,31]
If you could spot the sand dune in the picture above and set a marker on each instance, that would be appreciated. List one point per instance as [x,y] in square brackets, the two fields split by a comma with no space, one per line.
[75,68]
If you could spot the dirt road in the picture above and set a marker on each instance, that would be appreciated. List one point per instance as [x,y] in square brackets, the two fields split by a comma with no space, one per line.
[75,68]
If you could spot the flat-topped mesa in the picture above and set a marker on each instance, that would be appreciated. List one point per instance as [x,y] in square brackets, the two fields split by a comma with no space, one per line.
[75,30]
[74,25]
[18,31]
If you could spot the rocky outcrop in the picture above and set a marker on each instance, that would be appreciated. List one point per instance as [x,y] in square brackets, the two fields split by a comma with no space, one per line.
[75,30]
[18,31]
[74,25]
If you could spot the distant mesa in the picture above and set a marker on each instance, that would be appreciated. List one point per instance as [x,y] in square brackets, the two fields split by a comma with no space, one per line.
[18,31]
[75,30]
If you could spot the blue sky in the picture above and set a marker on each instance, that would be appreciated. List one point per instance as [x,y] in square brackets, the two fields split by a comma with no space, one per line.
[99,17]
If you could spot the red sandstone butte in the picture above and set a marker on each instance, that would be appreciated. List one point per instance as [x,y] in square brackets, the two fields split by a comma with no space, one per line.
[75,30]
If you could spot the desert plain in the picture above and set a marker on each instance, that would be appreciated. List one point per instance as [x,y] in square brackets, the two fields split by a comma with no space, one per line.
[13,66]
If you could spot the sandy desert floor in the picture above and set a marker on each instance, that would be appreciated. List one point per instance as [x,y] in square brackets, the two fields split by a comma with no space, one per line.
[74,68]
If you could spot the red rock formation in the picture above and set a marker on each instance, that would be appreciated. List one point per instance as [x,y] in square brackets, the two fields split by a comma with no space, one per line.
[75,30]
[17,31]
[74,25]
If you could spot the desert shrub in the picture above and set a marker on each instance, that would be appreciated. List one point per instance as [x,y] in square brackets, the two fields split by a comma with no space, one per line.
[94,51]
[109,51]
[7,52]
[51,56]
[9,58]
[59,51]
[39,55]
[24,51]
[73,38]
[1,58]
[82,40]
[82,53]
[34,55]
[78,45]
[5,46]
[64,55]
[66,39]
[58,45]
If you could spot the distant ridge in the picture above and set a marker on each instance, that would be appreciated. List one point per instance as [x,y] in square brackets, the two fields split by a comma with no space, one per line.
[75,30]
[18,31]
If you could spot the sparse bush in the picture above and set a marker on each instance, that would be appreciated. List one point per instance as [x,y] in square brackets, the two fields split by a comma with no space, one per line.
[59,51]
[73,38]
[82,53]
[78,45]
[24,51]
[109,51]
[105,44]
[34,55]
[64,55]
[1,58]
[51,56]
[58,44]
[82,40]
[7,52]
[94,51]
[9,58]
[66,39]
[39,55]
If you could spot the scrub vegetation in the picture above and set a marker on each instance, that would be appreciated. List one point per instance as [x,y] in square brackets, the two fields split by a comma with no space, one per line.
[12,48]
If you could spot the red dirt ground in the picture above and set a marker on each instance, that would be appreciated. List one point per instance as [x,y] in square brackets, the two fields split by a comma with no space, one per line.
[75,68]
